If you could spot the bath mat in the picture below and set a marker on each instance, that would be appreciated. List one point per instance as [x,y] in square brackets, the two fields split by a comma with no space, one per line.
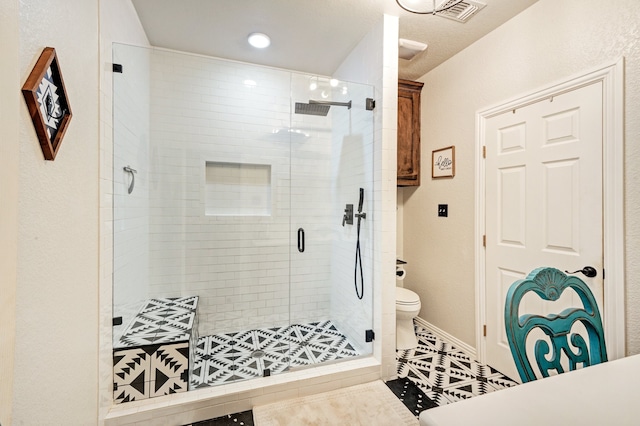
[368,404]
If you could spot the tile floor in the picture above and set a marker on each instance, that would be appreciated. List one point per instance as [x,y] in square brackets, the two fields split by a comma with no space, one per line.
[230,357]
[435,373]
[445,373]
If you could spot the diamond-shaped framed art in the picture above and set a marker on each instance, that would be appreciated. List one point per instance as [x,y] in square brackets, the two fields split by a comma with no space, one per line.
[46,98]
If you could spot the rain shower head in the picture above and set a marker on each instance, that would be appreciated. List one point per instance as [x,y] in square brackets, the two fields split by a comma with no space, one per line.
[318,107]
[312,109]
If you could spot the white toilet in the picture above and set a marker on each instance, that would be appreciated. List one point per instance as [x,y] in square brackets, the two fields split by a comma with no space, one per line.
[407,308]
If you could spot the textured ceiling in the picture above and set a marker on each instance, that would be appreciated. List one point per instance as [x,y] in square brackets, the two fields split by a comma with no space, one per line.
[312,36]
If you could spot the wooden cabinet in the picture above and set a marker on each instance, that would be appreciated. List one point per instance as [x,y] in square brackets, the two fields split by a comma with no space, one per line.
[409,132]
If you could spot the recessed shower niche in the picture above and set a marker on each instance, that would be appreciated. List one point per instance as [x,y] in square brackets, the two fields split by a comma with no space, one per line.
[237,189]
[233,235]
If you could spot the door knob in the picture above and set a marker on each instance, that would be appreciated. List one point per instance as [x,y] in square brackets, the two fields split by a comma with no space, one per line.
[588,271]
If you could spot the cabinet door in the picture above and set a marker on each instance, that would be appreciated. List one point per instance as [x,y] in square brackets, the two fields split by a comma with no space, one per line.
[409,133]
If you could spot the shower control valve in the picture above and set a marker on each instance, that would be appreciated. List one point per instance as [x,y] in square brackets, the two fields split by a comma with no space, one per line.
[348,215]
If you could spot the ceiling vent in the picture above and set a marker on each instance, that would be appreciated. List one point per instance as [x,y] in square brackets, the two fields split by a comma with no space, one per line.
[462,11]
[408,49]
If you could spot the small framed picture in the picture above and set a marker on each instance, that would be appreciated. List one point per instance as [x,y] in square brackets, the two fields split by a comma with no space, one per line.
[46,98]
[443,162]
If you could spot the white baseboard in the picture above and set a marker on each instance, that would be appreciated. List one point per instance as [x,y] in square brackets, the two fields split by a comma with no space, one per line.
[459,344]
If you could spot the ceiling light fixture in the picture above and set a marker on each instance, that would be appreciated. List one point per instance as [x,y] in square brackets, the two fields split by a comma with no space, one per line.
[426,6]
[259,40]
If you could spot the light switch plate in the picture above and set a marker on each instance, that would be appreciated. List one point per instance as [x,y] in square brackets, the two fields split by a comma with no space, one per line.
[443,210]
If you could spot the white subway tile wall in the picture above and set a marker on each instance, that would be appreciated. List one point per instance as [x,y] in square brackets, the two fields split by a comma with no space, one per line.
[202,111]
[233,175]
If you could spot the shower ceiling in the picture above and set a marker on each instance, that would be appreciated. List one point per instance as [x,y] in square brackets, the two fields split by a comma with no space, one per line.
[309,35]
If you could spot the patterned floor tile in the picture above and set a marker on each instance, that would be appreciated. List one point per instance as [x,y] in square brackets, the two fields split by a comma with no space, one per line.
[435,373]
[229,357]
[244,418]
[445,373]
[410,395]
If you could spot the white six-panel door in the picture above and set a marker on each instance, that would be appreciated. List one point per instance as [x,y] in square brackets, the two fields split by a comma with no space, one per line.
[543,202]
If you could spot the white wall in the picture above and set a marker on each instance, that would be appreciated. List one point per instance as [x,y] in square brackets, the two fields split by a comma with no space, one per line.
[56,304]
[9,172]
[546,43]
[237,263]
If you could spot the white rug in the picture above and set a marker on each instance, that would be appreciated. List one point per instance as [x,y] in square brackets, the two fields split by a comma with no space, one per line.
[367,405]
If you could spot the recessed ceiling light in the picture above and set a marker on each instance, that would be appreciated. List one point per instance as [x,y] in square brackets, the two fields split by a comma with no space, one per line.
[259,40]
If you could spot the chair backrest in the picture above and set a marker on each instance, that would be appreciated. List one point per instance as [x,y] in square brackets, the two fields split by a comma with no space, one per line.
[549,283]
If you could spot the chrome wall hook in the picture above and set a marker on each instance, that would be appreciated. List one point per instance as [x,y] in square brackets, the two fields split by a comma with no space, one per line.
[128,169]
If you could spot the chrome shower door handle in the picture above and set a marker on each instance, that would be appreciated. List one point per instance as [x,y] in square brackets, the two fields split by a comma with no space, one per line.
[300,240]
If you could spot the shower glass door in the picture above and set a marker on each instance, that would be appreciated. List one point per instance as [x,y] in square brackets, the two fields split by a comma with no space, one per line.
[331,160]
[214,179]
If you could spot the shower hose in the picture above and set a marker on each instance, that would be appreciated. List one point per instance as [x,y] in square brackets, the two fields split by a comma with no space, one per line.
[359,293]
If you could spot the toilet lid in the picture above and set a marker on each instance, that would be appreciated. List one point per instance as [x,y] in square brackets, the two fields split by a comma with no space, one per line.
[406,297]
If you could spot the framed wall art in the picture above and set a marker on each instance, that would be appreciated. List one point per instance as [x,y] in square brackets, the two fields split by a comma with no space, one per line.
[46,98]
[443,162]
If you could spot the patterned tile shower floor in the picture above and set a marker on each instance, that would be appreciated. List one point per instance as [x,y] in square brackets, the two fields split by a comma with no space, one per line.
[441,372]
[446,374]
[243,355]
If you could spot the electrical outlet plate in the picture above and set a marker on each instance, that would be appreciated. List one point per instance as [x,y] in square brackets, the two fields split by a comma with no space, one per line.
[443,210]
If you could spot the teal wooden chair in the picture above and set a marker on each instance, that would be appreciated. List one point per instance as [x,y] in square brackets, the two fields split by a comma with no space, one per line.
[549,283]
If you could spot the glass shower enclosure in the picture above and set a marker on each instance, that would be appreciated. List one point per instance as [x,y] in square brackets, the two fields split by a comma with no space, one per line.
[242,221]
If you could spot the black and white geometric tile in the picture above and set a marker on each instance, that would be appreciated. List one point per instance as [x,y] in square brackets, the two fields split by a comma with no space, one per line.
[410,395]
[153,357]
[435,373]
[169,369]
[230,357]
[125,313]
[149,371]
[161,321]
[131,375]
[446,374]
[244,418]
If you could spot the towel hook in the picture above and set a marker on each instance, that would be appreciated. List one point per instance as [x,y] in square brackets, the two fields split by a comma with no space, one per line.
[128,169]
